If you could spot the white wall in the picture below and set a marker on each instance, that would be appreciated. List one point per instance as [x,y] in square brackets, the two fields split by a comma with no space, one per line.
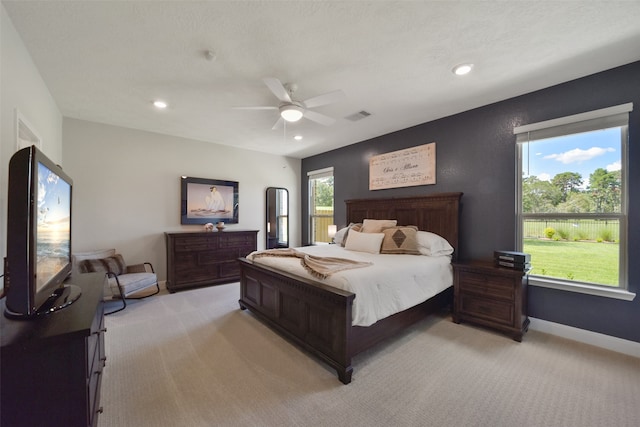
[22,88]
[126,190]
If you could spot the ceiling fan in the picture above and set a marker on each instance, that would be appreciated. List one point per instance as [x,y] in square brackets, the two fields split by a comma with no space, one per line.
[292,110]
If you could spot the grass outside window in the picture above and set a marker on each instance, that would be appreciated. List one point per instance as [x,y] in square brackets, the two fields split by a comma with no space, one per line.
[590,262]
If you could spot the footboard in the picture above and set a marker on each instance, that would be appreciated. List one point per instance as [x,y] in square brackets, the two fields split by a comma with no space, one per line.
[313,315]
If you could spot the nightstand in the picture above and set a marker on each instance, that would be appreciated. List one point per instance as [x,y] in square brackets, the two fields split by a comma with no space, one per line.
[491,296]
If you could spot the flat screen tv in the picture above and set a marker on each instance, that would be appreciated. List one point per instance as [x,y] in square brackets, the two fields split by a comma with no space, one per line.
[38,236]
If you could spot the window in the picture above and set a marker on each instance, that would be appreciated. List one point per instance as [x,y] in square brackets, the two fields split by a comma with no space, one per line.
[571,201]
[320,205]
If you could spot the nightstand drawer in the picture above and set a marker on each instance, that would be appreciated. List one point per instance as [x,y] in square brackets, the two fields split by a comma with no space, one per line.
[483,284]
[492,310]
[491,296]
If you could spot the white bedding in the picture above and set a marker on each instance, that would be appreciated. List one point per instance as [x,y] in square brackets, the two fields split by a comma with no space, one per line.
[392,284]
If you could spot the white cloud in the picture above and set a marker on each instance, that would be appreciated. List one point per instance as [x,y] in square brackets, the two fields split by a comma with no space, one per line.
[544,177]
[579,155]
[615,166]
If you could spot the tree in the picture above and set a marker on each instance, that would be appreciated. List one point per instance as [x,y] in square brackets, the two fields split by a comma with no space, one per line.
[567,182]
[324,192]
[577,202]
[605,188]
[539,196]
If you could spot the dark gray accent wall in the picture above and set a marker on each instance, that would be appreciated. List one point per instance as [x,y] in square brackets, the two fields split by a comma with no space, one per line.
[475,152]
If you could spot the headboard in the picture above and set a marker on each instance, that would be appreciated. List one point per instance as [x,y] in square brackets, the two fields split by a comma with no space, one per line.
[437,213]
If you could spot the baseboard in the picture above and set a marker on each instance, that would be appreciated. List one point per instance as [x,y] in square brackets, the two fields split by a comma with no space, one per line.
[619,345]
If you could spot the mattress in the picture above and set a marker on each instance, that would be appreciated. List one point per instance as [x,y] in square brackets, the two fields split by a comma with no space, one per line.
[392,283]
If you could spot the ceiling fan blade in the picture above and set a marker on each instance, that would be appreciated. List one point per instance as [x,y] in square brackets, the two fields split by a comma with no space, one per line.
[319,118]
[327,98]
[278,123]
[277,88]
[255,108]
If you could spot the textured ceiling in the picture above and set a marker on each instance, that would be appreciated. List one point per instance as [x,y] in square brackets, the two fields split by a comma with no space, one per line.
[106,61]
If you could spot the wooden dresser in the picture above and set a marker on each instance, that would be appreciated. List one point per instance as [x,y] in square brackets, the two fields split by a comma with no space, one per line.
[52,365]
[206,258]
[491,296]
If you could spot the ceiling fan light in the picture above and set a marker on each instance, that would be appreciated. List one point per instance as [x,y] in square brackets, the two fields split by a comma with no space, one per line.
[291,113]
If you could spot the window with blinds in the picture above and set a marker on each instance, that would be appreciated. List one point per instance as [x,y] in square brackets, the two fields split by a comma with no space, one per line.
[320,205]
[571,198]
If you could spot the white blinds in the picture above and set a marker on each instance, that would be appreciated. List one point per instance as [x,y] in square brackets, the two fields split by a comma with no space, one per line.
[320,173]
[578,123]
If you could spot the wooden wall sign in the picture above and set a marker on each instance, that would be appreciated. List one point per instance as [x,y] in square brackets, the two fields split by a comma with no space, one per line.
[403,168]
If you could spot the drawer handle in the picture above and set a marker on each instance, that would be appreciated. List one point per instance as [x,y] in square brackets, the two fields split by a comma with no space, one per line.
[100,331]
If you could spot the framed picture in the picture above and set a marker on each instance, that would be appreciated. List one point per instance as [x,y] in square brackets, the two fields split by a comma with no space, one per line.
[403,168]
[208,200]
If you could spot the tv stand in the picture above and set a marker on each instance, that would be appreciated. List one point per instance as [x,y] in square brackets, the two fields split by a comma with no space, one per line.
[62,297]
[52,365]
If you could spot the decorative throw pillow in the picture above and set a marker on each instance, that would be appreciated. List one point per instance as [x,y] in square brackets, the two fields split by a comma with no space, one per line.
[377,225]
[352,226]
[400,240]
[114,264]
[364,242]
[432,244]
[338,239]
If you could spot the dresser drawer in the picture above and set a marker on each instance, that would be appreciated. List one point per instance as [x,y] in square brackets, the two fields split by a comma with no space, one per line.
[184,244]
[489,285]
[216,257]
[198,275]
[236,240]
[93,389]
[488,309]
[230,269]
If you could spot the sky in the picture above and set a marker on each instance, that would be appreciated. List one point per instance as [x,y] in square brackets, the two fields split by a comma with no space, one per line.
[582,153]
[54,196]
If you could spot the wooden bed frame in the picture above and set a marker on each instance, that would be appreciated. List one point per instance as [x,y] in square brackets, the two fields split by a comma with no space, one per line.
[318,317]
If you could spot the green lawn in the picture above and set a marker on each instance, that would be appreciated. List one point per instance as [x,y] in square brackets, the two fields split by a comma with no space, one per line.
[581,261]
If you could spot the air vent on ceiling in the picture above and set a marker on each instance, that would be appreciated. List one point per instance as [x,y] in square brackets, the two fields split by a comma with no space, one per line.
[358,116]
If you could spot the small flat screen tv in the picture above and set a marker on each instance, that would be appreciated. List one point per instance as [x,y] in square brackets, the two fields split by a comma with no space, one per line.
[38,236]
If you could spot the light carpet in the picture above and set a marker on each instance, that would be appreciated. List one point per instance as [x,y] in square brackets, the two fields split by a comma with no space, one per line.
[193,358]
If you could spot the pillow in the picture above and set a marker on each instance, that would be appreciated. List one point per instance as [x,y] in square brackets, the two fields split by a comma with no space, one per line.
[377,225]
[433,245]
[341,234]
[352,226]
[113,264]
[400,240]
[364,242]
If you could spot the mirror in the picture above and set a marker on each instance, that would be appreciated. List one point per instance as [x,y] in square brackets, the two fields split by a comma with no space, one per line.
[277,218]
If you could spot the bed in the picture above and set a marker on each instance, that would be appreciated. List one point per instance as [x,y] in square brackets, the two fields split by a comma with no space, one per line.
[319,317]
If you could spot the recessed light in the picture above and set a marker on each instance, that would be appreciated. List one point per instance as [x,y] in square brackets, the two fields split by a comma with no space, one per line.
[462,69]
[298,137]
[160,104]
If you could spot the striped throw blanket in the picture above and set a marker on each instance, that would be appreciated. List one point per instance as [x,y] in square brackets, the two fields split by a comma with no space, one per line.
[319,267]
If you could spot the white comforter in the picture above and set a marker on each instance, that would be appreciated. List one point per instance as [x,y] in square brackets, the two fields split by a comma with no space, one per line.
[392,284]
